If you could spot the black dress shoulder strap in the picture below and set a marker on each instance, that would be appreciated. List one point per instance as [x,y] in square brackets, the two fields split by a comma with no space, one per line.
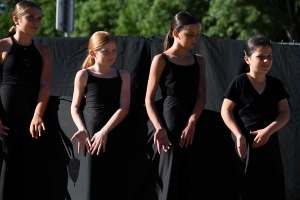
[88,71]
[118,72]
[165,57]
[196,60]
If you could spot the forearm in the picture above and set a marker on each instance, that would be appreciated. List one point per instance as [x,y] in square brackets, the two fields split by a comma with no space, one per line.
[198,109]
[116,119]
[153,115]
[77,118]
[278,123]
[42,101]
[230,122]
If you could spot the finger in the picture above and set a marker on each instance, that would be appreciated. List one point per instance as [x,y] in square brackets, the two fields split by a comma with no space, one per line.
[158,147]
[88,148]
[5,127]
[40,132]
[43,126]
[78,148]
[89,143]
[99,150]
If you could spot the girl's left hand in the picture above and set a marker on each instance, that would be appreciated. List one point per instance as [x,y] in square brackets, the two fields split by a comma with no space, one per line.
[261,138]
[187,136]
[36,127]
[99,142]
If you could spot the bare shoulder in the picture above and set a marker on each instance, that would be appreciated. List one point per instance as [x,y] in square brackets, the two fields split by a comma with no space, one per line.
[5,44]
[124,74]
[200,60]
[158,58]
[43,49]
[82,73]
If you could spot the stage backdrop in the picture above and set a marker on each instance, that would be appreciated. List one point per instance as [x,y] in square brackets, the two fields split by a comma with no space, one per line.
[216,155]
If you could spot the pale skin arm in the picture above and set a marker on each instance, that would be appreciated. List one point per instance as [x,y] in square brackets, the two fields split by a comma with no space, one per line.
[99,140]
[4,47]
[160,136]
[263,135]
[229,120]
[82,134]
[37,124]
[187,135]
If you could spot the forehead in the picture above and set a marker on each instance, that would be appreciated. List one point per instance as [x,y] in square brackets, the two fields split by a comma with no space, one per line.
[263,50]
[192,27]
[109,45]
[33,11]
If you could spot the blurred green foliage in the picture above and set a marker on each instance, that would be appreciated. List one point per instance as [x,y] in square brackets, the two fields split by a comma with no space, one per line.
[235,19]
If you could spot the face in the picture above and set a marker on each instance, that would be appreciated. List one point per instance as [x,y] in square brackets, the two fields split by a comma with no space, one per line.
[107,54]
[188,36]
[30,22]
[261,60]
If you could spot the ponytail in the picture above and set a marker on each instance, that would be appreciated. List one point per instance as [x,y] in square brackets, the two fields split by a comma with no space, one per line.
[89,61]
[11,31]
[169,40]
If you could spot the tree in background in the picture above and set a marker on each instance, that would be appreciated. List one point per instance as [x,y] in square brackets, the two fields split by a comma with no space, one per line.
[140,18]
[235,19]
[238,19]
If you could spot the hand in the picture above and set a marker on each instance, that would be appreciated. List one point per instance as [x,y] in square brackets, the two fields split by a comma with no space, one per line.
[36,127]
[99,141]
[187,136]
[2,130]
[241,146]
[161,140]
[262,137]
[83,141]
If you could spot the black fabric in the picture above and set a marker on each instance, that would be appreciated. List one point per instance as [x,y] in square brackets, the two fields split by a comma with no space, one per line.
[255,111]
[222,57]
[32,168]
[104,171]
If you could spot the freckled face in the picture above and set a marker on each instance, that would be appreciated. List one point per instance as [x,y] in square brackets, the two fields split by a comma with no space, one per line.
[261,60]
[107,54]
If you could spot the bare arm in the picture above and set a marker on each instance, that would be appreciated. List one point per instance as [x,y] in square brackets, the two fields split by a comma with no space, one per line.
[187,135]
[160,136]
[229,120]
[263,135]
[37,124]
[100,138]
[82,134]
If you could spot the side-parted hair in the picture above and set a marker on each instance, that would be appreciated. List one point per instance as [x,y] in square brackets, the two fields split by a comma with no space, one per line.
[250,46]
[19,10]
[97,40]
[179,21]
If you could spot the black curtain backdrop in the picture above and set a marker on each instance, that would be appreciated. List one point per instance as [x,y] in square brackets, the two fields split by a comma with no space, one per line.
[213,165]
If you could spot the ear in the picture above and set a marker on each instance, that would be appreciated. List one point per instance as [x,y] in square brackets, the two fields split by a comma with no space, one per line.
[175,33]
[247,60]
[15,20]
[92,53]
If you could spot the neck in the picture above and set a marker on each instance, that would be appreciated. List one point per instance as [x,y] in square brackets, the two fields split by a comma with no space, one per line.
[179,51]
[259,78]
[103,69]
[22,39]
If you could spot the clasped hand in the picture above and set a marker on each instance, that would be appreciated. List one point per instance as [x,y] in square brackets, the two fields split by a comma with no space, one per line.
[261,138]
[97,142]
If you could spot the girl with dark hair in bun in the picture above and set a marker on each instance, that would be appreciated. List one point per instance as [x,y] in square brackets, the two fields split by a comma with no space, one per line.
[255,107]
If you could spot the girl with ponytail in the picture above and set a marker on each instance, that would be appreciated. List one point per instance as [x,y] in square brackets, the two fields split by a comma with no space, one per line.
[181,77]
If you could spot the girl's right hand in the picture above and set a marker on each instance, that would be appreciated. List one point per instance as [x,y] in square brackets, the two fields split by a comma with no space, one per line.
[83,141]
[3,130]
[241,145]
[161,140]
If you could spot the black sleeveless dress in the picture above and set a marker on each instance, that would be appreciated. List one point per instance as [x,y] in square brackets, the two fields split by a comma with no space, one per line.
[179,86]
[104,177]
[32,168]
